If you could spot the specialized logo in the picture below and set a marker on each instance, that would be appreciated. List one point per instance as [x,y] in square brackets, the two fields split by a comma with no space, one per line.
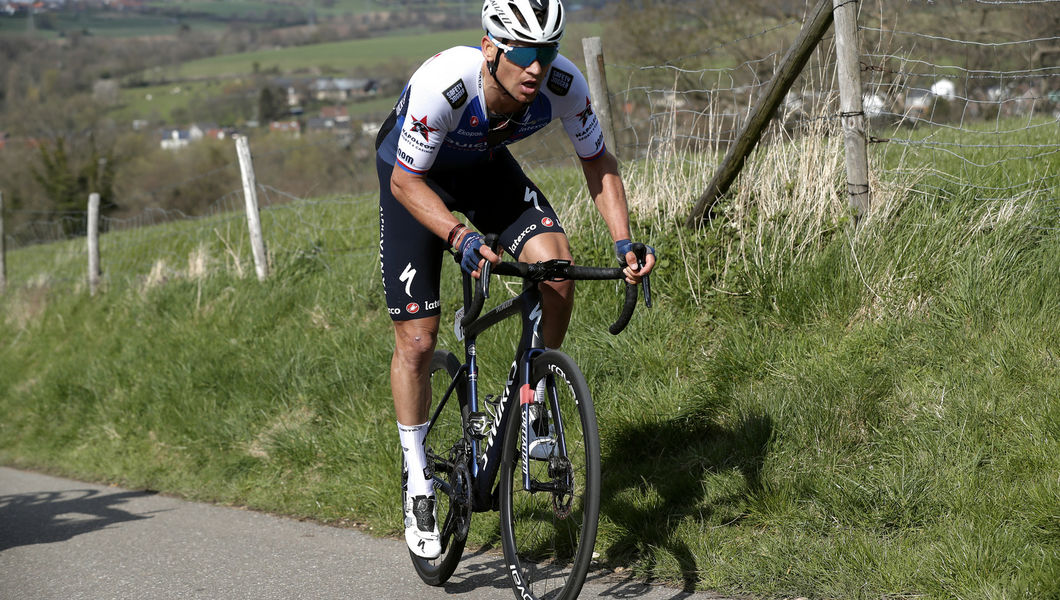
[412,308]
[535,314]
[588,112]
[456,94]
[547,222]
[407,276]
[559,81]
[530,195]
[420,126]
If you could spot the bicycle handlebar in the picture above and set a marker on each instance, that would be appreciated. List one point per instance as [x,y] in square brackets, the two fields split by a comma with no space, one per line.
[557,270]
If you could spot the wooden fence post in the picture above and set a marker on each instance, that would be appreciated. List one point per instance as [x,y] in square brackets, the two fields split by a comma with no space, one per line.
[850,105]
[3,248]
[594,73]
[250,195]
[790,67]
[93,243]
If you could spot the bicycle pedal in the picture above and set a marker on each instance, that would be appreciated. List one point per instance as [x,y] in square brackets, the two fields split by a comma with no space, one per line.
[479,425]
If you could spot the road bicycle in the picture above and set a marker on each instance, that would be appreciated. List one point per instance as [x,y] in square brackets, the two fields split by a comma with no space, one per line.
[547,456]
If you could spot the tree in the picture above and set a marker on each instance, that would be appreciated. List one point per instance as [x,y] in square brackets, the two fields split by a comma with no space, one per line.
[272,104]
[68,186]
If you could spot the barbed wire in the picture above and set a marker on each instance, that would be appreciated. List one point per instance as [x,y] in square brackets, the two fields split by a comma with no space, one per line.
[982,136]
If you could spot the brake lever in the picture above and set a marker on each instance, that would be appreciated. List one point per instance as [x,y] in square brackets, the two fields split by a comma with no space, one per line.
[492,241]
[641,251]
[484,277]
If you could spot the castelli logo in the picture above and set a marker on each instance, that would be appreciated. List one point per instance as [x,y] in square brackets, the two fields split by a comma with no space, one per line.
[547,222]
[474,121]
[412,308]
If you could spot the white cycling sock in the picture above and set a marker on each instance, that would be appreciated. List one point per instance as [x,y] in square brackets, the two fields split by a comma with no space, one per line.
[415,454]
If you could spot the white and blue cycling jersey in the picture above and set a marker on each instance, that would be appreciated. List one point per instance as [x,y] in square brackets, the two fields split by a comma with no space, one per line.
[440,121]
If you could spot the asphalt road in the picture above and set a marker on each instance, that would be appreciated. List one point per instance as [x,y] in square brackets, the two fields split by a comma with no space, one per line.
[63,539]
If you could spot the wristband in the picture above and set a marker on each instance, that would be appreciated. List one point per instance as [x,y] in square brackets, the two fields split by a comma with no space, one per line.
[455,231]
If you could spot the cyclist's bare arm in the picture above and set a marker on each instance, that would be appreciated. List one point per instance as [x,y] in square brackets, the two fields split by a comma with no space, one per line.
[412,191]
[609,195]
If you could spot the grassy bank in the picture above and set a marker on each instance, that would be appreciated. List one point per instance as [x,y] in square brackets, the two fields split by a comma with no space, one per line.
[805,412]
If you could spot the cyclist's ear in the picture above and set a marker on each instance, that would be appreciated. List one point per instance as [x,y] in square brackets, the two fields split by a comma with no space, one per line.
[489,51]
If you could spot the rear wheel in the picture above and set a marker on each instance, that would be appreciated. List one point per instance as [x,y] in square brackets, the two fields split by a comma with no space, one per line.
[548,529]
[448,456]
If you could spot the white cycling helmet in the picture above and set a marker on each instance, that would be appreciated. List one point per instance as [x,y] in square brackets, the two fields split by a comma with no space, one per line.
[527,21]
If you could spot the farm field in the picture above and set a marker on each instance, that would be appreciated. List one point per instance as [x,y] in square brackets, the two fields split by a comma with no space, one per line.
[105,24]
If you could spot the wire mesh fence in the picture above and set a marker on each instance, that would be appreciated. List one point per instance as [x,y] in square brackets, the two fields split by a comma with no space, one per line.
[963,98]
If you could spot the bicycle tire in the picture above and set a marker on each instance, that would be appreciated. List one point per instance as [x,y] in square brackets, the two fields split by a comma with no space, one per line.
[547,537]
[452,486]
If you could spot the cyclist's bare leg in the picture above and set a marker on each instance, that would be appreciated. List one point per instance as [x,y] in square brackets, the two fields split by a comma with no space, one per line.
[557,297]
[414,343]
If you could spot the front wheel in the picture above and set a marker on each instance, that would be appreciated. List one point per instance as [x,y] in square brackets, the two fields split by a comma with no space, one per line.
[548,529]
[448,458]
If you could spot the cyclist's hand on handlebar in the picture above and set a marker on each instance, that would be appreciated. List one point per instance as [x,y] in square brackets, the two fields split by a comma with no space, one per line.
[473,252]
[635,270]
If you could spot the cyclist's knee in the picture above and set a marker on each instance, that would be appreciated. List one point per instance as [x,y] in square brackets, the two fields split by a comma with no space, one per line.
[415,340]
[558,292]
[546,246]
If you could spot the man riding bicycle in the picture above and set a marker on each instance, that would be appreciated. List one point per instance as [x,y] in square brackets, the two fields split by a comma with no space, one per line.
[443,149]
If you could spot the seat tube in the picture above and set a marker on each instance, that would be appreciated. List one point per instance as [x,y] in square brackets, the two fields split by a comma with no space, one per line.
[526,400]
[472,396]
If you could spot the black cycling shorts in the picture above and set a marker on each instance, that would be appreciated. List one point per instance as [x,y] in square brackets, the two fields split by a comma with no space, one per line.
[496,197]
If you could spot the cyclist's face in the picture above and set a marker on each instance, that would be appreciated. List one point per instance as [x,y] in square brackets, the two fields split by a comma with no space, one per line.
[522,82]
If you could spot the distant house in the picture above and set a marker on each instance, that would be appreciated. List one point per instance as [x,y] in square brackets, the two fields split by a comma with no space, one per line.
[337,113]
[917,103]
[290,127]
[340,89]
[174,139]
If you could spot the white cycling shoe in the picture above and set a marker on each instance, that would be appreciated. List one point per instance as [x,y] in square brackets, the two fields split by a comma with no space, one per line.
[543,443]
[421,527]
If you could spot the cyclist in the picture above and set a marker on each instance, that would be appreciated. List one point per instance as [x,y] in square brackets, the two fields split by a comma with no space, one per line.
[443,149]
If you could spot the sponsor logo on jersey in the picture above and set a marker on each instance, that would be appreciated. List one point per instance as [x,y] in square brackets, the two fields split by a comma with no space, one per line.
[588,112]
[559,81]
[547,222]
[456,94]
[474,121]
[421,127]
[412,308]
[478,146]
[405,158]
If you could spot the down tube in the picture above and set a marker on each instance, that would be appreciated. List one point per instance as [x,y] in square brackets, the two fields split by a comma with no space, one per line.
[487,468]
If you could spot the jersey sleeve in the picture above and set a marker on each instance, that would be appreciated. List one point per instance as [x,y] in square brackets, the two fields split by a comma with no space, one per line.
[428,118]
[576,109]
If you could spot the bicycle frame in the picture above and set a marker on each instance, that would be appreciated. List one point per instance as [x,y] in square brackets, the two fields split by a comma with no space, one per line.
[528,305]
[486,464]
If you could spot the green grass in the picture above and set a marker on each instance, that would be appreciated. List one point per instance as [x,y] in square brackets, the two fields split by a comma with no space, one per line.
[804,412]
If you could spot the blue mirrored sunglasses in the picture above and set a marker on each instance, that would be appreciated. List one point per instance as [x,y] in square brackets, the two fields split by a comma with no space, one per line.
[524,56]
